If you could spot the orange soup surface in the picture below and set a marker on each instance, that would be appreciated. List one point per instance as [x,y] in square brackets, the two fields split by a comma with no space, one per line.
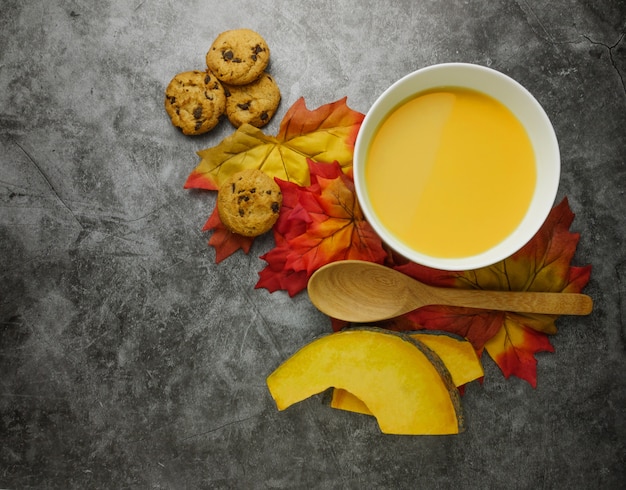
[451,172]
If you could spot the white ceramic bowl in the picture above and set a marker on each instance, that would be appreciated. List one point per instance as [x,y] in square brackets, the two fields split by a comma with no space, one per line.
[519,101]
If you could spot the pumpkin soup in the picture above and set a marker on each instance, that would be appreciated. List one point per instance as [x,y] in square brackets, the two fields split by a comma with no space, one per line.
[450,172]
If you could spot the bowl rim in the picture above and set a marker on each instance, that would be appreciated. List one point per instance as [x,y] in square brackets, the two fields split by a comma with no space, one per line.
[513,95]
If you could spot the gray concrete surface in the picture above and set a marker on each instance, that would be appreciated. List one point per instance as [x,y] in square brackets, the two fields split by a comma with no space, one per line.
[129,359]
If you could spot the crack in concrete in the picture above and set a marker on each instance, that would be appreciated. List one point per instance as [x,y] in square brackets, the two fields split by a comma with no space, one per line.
[47,181]
[621,301]
[610,49]
[527,8]
[219,427]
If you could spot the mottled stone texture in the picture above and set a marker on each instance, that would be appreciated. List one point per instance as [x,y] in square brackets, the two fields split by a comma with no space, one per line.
[129,359]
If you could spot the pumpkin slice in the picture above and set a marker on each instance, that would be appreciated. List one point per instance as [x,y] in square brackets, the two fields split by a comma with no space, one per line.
[400,381]
[457,354]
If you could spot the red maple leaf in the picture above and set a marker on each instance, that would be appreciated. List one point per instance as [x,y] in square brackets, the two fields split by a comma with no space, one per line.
[318,224]
[324,134]
[224,241]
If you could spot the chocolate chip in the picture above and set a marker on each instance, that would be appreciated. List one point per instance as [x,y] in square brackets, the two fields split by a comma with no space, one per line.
[172,99]
[258,49]
[198,125]
[253,190]
[264,116]
[207,79]
[236,60]
[244,107]
[275,207]
[253,57]
[228,55]
[226,92]
[197,112]
[232,188]
[241,212]
[269,192]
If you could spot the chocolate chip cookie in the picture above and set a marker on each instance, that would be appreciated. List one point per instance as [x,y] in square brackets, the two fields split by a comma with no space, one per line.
[249,202]
[238,56]
[254,103]
[195,100]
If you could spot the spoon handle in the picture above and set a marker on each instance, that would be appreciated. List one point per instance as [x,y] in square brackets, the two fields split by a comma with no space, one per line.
[521,302]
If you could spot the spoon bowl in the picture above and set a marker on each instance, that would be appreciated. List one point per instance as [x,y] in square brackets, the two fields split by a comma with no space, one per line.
[359,291]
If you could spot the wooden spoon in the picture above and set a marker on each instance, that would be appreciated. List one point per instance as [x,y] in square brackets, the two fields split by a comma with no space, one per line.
[358,291]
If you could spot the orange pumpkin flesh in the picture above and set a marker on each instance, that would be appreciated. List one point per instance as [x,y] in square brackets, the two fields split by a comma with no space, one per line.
[457,355]
[397,378]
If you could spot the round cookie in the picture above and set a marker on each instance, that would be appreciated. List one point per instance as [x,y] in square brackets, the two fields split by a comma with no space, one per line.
[254,103]
[238,56]
[249,202]
[195,100]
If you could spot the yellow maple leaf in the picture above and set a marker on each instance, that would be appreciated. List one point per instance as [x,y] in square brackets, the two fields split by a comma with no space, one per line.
[326,134]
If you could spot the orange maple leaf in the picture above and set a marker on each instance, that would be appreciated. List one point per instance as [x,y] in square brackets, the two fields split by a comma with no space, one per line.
[318,224]
[510,339]
[326,134]
[513,349]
